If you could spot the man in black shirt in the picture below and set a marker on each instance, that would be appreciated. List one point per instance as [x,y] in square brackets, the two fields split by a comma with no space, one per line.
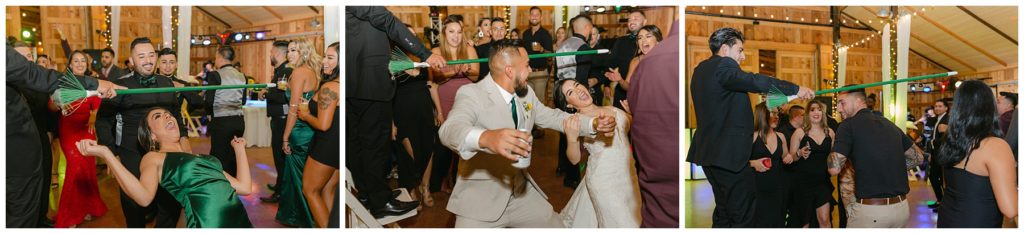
[881,154]
[277,110]
[128,112]
[537,40]
[498,28]
[625,50]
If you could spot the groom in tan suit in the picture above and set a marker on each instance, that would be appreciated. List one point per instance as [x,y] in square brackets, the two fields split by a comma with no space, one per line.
[482,127]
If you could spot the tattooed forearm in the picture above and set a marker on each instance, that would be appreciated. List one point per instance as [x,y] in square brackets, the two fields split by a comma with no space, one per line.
[326,99]
[914,156]
[835,163]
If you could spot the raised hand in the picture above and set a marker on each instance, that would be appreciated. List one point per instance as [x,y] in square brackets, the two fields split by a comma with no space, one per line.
[571,127]
[91,148]
[238,143]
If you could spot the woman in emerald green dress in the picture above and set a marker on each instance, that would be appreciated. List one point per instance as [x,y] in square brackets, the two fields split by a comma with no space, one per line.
[207,193]
[293,210]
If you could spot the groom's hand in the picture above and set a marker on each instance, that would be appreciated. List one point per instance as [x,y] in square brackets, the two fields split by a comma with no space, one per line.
[507,142]
[604,124]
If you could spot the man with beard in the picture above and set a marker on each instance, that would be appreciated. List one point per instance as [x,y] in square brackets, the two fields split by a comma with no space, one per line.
[109,70]
[482,127]
[127,112]
[624,50]
[277,110]
[538,41]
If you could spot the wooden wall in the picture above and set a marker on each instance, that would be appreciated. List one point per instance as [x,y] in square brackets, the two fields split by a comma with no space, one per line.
[138,21]
[798,48]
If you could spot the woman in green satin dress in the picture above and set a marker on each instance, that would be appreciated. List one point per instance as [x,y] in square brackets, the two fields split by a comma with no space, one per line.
[207,193]
[293,210]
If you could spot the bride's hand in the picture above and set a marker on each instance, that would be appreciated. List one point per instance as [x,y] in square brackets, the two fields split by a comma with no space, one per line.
[91,148]
[571,127]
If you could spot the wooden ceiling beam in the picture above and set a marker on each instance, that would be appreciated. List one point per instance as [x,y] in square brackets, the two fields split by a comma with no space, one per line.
[213,16]
[936,48]
[982,21]
[272,12]
[957,36]
[233,12]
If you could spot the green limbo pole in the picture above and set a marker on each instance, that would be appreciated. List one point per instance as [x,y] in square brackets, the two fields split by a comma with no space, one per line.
[191,88]
[533,56]
[776,98]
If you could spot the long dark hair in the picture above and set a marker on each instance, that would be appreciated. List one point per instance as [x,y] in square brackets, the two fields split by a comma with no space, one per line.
[762,120]
[337,69]
[560,99]
[145,134]
[972,119]
[88,71]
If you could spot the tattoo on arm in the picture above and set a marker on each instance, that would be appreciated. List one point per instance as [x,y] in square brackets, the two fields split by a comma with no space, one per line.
[326,99]
[914,156]
[836,161]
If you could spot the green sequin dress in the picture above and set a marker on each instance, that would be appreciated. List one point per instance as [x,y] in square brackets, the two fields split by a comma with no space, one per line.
[198,183]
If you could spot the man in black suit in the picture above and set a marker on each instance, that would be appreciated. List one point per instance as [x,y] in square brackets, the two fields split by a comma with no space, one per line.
[110,70]
[369,92]
[24,153]
[721,143]
[277,110]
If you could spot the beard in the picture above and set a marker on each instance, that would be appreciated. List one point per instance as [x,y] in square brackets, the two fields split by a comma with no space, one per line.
[521,88]
[273,61]
[534,23]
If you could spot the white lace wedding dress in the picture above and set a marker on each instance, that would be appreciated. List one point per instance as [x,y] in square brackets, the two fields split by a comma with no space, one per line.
[609,195]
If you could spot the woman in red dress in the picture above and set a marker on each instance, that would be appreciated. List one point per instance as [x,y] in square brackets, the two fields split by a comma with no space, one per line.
[80,197]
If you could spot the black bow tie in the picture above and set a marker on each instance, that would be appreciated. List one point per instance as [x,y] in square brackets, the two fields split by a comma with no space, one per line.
[147,81]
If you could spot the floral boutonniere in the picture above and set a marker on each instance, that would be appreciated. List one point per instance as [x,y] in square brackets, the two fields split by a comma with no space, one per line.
[527,106]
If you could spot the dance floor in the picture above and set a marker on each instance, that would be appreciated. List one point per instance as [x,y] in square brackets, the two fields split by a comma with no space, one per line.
[700,205]
[542,168]
[261,164]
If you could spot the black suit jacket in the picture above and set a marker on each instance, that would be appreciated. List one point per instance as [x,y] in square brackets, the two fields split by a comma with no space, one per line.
[725,123]
[369,32]
[276,99]
[24,151]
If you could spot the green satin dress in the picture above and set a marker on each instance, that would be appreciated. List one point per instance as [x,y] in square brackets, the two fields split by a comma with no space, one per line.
[198,183]
[292,210]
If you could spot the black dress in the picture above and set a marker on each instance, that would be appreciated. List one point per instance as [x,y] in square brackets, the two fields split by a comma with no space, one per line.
[969,201]
[812,185]
[414,118]
[770,199]
[326,146]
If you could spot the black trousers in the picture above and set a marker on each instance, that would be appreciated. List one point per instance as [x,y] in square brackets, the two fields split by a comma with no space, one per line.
[572,172]
[277,144]
[368,129]
[46,174]
[222,131]
[445,163]
[23,201]
[166,207]
[734,197]
[935,175]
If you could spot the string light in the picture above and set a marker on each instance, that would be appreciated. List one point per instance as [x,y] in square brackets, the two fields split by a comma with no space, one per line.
[107,33]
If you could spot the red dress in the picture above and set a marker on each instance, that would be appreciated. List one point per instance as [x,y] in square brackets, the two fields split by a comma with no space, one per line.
[81,194]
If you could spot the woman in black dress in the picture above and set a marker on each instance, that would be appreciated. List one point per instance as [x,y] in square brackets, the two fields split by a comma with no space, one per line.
[812,144]
[769,149]
[415,131]
[320,175]
[978,192]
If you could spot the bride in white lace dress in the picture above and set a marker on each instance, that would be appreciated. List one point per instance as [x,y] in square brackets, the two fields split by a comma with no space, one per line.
[608,195]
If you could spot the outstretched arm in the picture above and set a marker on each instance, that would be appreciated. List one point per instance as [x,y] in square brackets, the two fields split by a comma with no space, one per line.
[242,184]
[141,189]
